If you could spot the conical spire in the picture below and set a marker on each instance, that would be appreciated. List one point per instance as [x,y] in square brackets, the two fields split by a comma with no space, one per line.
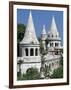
[53,28]
[30,35]
[43,30]
[43,33]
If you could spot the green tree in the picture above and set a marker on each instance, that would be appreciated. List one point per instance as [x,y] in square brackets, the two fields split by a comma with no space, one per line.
[61,60]
[32,74]
[20,35]
[20,32]
[57,73]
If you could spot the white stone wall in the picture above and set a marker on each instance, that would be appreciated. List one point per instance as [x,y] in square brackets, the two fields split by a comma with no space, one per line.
[32,59]
[26,66]
[54,63]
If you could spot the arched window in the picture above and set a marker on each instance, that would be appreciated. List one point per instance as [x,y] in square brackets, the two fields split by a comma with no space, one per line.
[51,44]
[56,44]
[36,52]
[31,52]
[26,51]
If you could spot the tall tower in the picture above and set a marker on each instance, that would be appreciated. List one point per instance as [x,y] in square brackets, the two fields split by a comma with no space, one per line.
[29,47]
[54,41]
[43,37]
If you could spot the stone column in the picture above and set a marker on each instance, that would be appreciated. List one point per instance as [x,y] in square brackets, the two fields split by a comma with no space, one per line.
[54,44]
[38,52]
[24,52]
[21,67]
[34,51]
[28,51]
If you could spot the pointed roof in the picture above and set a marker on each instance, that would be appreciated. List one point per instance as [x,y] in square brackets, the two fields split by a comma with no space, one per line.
[43,33]
[30,35]
[43,30]
[53,28]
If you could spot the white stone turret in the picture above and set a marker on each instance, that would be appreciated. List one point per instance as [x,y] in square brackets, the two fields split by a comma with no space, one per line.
[29,47]
[53,27]
[53,38]
[43,37]
[43,33]
[30,35]
[53,33]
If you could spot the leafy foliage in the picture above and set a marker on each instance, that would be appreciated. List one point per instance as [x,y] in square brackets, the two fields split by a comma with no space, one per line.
[57,73]
[20,35]
[31,74]
[20,32]
[61,60]
[20,77]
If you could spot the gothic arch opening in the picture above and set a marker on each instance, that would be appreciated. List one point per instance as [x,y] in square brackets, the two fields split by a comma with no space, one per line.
[31,52]
[26,51]
[51,44]
[36,52]
[56,44]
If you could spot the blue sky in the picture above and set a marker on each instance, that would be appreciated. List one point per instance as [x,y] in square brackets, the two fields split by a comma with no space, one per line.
[40,18]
